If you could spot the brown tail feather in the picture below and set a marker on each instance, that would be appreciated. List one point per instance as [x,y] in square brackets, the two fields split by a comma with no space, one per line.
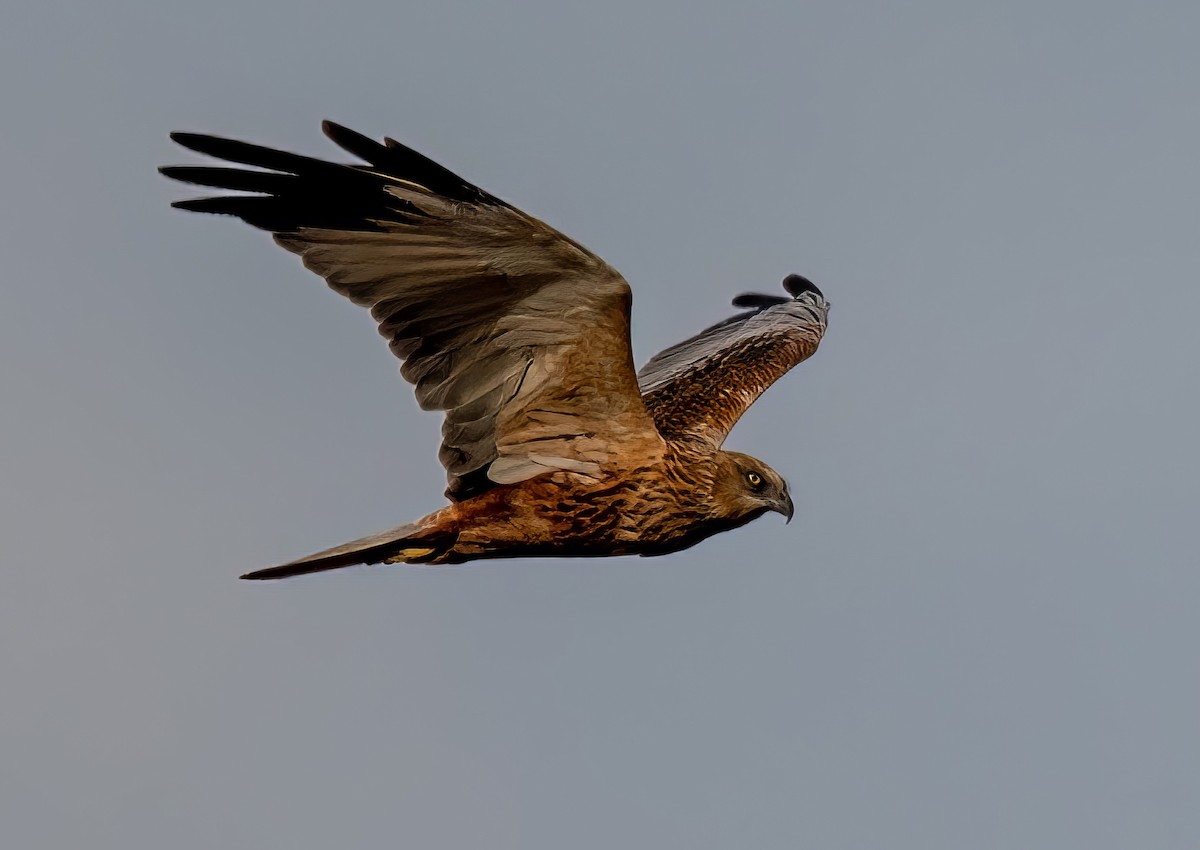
[366,550]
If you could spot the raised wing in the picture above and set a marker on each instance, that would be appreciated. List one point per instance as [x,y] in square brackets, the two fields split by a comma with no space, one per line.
[518,333]
[697,390]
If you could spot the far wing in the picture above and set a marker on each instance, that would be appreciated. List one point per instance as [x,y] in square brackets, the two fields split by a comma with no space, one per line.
[518,333]
[697,390]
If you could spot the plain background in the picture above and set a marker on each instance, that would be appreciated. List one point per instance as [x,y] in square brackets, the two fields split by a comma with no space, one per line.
[980,632]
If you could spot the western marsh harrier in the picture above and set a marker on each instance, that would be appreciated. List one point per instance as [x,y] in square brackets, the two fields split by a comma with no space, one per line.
[554,445]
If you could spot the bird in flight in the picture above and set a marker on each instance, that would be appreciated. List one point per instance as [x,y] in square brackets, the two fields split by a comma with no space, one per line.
[553,444]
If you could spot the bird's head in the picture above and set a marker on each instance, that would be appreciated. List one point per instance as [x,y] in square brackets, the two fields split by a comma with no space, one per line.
[745,488]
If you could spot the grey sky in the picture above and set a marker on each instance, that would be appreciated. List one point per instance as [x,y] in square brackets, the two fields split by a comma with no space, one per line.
[981,630]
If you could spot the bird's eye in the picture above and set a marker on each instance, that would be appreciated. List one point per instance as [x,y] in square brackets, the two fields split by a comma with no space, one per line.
[755,479]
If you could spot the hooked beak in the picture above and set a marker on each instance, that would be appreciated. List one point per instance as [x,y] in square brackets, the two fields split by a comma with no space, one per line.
[784,506]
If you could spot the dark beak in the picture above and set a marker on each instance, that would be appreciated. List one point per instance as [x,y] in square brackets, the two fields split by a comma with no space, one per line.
[785,506]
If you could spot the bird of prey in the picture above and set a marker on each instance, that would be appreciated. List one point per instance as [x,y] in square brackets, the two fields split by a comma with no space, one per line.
[553,444]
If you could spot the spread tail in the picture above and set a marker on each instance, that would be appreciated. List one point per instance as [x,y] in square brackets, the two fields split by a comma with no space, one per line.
[374,549]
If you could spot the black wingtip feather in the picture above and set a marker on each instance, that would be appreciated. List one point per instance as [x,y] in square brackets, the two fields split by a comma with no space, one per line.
[299,191]
[796,285]
[757,300]
[188,140]
[238,179]
[246,153]
[399,160]
[242,207]
[361,146]
[195,205]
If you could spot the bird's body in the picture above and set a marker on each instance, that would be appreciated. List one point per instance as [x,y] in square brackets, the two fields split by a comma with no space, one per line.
[554,445]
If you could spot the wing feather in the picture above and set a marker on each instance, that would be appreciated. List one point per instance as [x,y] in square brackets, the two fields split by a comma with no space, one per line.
[698,389]
[494,313]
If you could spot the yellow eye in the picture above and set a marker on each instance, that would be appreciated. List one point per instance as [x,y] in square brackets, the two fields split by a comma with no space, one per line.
[755,479]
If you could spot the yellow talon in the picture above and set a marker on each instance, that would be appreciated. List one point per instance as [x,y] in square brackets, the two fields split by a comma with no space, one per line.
[411,553]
